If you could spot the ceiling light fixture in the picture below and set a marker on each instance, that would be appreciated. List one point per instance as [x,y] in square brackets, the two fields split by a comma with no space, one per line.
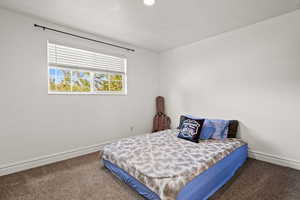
[149,2]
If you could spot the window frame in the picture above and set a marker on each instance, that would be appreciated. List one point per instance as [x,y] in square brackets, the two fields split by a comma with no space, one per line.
[92,72]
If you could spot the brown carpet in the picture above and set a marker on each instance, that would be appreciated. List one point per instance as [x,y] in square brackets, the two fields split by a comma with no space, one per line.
[83,178]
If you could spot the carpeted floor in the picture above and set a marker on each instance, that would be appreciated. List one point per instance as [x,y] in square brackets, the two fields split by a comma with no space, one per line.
[83,178]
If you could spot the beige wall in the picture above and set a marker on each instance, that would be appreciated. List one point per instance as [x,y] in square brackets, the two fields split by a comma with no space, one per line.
[35,124]
[251,74]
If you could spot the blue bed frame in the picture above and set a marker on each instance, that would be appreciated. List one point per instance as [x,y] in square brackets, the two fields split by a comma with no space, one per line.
[201,187]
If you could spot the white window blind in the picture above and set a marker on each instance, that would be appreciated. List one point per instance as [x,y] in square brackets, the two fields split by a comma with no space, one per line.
[77,71]
[59,55]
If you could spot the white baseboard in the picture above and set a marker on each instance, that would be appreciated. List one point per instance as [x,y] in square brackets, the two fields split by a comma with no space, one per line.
[44,160]
[277,160]
[48,159]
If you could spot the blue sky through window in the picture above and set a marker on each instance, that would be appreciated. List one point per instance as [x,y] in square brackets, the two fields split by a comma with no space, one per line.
[57,74]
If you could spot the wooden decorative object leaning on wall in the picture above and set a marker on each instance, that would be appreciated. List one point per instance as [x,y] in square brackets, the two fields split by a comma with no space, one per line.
[160,121]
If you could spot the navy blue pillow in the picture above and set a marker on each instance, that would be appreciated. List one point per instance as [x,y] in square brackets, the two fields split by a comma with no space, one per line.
[184,117]
[190,129]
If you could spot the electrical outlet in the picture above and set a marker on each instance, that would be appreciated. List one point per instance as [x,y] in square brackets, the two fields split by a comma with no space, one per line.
[131,128]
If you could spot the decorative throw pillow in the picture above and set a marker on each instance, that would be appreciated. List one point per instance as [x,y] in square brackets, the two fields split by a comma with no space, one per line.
[184,117]
[190,129]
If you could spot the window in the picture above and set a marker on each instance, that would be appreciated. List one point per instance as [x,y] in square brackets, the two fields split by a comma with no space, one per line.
[76,71]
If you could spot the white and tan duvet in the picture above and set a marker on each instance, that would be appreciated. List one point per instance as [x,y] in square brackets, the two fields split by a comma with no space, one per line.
[165,163]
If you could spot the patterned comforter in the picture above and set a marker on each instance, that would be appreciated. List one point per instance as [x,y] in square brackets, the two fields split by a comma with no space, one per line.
[165,163]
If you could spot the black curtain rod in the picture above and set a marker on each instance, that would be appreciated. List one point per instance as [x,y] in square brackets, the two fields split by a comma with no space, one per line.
[85,38]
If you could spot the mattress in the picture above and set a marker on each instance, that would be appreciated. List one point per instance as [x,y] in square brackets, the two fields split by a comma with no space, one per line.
[165,164]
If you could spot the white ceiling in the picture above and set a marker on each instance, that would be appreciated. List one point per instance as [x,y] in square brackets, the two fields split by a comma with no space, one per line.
[168,24]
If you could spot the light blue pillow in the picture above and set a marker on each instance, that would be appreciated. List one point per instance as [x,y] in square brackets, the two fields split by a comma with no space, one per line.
[226,131]
[207,130]
[220,128]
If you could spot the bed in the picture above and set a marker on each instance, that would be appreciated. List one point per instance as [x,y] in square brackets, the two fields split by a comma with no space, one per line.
[161,166]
